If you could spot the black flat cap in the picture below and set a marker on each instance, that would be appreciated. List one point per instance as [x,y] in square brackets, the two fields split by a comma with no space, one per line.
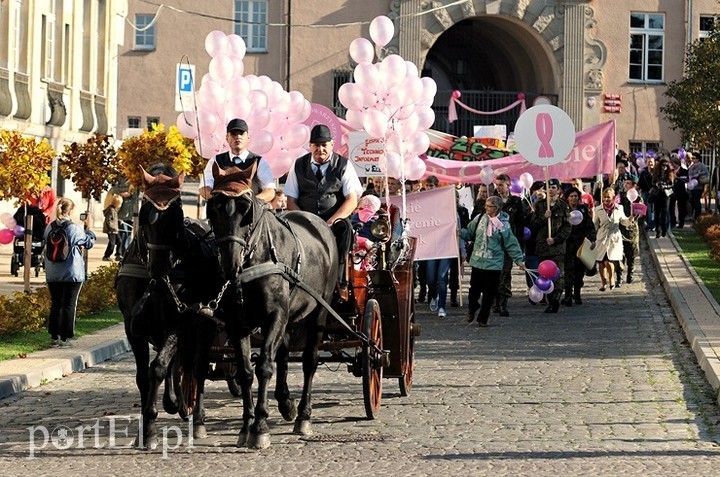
[237,125]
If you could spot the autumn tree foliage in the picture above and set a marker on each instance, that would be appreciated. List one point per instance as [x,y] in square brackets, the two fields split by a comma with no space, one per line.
[25,166]
[157,145]
[694,101]
[92,167]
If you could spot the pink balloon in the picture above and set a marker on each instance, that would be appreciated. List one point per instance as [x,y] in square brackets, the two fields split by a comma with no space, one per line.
[6,218]
[412,69]
[351,96]
[361,50]
[392,70]
[185,123]
[367,77]
[260,142]
[375,123]
[547,269]
[393,163]
[414,168]
[429,91]
[487,175]
[258,119]
[258,99]
[418,143]
[238,67]
[281,164]
[216,43]
[526,179]
[381,30]
[393,142]
[6,236]
[253,82]
[409,90]
[208,122]
[404,112]
[355,118]
[407,127]
[237,46]
[425,116]
[237,88]
[212,94]
[238,107]
[296,136]
[221,69]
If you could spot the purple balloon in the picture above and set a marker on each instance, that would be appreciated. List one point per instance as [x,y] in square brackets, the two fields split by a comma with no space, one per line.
[527,233]
[543,284]
[515,186]
[557,274]
[19,231]
[535,294]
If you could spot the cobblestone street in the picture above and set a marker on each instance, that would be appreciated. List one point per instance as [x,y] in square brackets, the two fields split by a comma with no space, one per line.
[606,388]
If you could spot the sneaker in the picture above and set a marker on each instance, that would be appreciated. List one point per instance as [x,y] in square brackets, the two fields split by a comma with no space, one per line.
[65,344]
[433,305]
[442,313]
[54,343]
[107,259]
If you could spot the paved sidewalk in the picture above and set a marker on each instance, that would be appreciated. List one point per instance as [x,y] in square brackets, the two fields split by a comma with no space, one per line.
[695,308]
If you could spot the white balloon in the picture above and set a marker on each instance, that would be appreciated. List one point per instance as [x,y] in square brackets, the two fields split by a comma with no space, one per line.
[367,77]
[361,50]
[237,46]
[526,179]
[375,123]
[392,70]
[418,143]
[487,175]
[576,217]
[355,118]
[412,69]
[414,168]
[351,96]
[632,194]
[216,43]
[426,117]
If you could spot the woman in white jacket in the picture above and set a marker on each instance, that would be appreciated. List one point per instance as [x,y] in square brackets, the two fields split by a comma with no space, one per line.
[609,246]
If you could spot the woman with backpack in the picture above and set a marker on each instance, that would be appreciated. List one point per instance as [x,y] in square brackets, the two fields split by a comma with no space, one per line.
[64,271]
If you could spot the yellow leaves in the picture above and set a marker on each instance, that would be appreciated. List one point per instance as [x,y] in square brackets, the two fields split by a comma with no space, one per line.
[157,145]
[92,167]
[24,166]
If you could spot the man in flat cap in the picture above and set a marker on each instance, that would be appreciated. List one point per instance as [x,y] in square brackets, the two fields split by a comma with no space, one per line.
[237,138]
[553,226]
[323,182]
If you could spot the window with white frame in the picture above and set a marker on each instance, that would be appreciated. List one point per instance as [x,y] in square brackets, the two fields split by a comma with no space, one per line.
[20,45]
[48,43]
[144,32]
[707,23]
[251,24]
[644,147]
[647,41]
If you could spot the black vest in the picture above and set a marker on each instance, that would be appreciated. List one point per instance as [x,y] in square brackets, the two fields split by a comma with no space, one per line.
[324,197]
[224,161]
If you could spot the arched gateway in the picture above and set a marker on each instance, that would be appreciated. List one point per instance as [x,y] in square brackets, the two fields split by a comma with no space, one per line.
[491,50]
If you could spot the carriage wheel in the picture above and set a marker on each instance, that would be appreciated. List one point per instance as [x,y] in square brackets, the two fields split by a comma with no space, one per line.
[233,383]
[409,365]
[185,390]
[372,371]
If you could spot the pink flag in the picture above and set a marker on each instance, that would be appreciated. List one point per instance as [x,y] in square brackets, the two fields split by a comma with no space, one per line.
[433,220]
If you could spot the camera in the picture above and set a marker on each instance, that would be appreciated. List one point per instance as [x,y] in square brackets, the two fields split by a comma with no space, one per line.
[83,216]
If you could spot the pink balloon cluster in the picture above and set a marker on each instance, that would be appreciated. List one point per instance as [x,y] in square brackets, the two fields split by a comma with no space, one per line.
[274,116]
[549,271]
[390,101]
[7,235]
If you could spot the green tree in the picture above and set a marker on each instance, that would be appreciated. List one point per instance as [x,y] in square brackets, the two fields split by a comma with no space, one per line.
[694,100]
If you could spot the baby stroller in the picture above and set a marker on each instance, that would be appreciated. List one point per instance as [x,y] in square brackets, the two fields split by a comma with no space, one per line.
[37,260]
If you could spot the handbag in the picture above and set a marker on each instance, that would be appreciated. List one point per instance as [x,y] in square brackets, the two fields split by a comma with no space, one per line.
[586,254]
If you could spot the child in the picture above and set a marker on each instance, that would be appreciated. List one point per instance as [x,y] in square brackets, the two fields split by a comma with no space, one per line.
[111,226]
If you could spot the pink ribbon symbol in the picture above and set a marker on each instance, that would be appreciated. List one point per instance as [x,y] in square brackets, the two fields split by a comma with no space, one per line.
[544,128]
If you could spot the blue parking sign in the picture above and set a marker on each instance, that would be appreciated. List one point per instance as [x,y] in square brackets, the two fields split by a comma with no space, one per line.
[185,79]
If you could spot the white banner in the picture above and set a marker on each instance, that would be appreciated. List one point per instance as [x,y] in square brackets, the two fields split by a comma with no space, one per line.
[365,153]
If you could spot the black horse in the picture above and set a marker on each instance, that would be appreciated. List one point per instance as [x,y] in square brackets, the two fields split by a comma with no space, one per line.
[177,270]
[268,261]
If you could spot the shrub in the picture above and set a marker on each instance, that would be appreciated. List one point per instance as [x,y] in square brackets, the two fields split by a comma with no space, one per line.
[29,311]
[708,227]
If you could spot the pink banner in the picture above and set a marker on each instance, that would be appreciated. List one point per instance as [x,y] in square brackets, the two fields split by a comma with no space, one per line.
[593,154]
[433,220]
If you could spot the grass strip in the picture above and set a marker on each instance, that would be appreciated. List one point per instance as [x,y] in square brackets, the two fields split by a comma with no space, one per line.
[19,344]
[695,249]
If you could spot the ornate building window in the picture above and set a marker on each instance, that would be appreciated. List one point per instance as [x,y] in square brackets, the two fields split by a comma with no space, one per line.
[251,24]
[647,41]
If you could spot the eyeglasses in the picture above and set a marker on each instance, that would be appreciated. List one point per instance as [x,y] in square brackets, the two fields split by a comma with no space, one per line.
[490,206]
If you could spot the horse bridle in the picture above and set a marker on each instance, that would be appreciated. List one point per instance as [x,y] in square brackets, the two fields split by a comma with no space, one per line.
[144,255]
[246,240]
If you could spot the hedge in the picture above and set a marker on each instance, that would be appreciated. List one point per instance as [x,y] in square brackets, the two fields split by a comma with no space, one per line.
[708,227]
[29,311]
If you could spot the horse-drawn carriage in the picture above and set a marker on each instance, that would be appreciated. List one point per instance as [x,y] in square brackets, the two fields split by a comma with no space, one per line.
[374,328]
[268,286]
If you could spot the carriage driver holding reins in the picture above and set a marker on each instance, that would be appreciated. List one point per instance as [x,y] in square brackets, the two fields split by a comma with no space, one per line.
[263,182]
[326,184]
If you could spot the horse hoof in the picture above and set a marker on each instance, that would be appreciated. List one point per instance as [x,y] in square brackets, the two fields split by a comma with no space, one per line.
[170,406]
[303,428]
[289,414]
[242,439]
[199,431]
[259,441]
[151,443]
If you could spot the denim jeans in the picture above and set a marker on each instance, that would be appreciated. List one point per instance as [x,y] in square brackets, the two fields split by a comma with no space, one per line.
[650,216]
[437,279]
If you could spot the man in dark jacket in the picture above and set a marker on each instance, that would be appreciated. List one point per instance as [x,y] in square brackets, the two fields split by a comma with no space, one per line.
[553,226]
[323,182]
